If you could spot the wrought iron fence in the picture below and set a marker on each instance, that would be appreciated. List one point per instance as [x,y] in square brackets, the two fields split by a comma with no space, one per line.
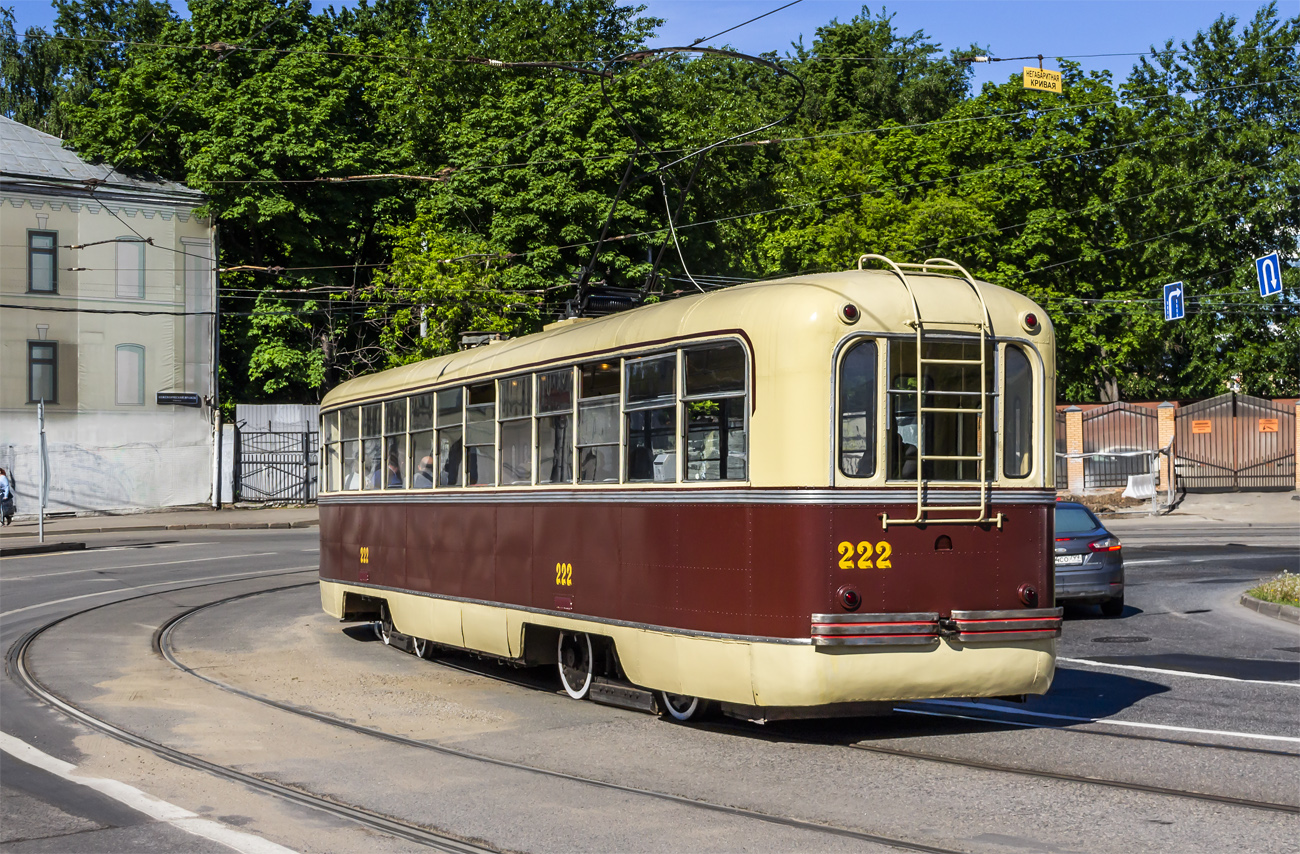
[1117,441]
[275,466]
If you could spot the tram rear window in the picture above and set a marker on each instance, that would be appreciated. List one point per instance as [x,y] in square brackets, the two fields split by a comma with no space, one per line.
[950,422]
[1018,405]
[857,393]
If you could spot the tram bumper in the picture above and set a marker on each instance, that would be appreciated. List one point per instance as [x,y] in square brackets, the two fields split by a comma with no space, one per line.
[895,657]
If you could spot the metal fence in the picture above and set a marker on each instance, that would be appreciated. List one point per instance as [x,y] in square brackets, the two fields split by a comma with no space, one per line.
[1235,442]
[1117,439]
[276,466]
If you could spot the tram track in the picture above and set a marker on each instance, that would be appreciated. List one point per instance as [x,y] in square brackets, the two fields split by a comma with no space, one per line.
[162,645]
[16,666]
[740,729]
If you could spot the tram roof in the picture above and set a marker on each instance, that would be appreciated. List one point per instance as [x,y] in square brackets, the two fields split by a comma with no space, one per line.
[761,310]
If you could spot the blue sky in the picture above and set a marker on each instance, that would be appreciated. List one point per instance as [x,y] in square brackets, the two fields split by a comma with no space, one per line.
[1007,27]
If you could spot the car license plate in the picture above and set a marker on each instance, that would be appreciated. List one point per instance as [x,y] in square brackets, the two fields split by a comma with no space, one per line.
[1069,560]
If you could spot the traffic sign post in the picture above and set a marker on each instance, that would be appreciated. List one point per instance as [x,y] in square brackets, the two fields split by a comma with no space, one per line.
[1269,271]
[1174,301]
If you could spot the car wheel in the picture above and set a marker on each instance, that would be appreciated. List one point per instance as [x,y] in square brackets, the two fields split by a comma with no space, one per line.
[1113,607]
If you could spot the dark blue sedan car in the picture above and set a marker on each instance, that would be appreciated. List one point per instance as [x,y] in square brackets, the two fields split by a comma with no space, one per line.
[1089,566]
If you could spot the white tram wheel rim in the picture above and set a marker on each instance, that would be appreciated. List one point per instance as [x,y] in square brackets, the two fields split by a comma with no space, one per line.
[671,702]
[420,647]
[580,692]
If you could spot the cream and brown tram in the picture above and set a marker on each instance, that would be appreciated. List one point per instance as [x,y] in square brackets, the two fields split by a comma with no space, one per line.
[828,489]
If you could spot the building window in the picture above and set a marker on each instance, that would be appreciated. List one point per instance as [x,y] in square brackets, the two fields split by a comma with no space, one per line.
[42,371]
[130,268]
[42,262]
[130,375]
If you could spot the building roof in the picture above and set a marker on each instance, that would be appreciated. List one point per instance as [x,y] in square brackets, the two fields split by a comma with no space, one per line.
[29,154]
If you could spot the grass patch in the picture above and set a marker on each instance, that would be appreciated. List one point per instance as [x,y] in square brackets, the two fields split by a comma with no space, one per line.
[1285,589]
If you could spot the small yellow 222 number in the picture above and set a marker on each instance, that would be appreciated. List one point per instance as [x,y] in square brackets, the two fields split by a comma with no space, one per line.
[863,552]
[564,574]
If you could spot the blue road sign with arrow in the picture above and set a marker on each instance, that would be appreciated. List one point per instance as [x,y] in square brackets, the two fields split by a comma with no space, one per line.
[1174,301]
[1269,271]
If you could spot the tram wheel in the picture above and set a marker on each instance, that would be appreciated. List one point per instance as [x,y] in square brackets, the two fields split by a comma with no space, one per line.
[384,628]
[575,663]
[422,648]
[680,707]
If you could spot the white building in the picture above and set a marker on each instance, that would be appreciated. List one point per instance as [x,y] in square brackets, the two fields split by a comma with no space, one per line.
[107,313]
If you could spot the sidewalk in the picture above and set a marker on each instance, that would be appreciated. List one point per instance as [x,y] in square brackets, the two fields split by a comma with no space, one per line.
[21,536]
[1249,518]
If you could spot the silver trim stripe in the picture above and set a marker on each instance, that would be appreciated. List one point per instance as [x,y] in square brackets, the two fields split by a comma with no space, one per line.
[906,629]
[998,626]
[833,497]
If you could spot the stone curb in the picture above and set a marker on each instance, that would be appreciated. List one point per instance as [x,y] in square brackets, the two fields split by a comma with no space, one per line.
[126,529]
[1278,611]
[41,548]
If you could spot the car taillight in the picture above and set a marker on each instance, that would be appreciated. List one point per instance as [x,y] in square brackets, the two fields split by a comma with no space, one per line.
[1105,544]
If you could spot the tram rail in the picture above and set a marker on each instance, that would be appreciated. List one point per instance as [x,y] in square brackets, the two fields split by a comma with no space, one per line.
[162,643]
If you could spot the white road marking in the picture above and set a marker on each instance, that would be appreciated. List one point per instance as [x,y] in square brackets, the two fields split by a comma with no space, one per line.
[157,809]
[1225,558]
[134,566]
[284,571]
[1100,721]
[1190,674]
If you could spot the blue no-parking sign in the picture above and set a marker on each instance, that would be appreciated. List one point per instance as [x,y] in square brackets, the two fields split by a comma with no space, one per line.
[1174,301]
[1269,271]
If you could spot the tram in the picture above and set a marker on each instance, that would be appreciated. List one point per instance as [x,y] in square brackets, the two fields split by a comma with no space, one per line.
[802,494]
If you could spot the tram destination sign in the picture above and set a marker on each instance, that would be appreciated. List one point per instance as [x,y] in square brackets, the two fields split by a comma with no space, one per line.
[1042,80]
[178,398]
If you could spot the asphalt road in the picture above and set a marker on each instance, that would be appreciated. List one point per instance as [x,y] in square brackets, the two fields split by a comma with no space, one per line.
[1187,691]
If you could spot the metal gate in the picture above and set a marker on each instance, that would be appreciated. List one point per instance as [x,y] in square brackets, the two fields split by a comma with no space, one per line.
[1235,442]
[1117,441]
[274,466]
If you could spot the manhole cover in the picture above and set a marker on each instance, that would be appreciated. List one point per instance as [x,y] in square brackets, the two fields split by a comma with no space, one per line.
[1121,639]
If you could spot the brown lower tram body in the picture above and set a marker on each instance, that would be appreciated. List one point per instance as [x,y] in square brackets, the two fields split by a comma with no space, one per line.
[753,597]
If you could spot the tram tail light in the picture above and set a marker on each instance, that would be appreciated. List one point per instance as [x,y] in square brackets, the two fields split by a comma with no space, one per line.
[1105,544]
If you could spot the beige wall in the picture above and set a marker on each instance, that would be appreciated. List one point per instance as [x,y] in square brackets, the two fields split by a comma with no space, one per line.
[87,422]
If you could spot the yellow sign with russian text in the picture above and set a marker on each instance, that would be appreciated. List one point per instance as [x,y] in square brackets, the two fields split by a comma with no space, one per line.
[1043,80]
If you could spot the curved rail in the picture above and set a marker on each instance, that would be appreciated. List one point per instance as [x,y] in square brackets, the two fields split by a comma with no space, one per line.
[17,664]
[162,642]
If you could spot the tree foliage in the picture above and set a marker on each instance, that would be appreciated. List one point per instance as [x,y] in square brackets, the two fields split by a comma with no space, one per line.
[1087,201]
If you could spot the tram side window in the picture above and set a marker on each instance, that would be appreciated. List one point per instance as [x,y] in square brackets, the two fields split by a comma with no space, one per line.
[349,431]
[480,434]
[952,425]
[423,451]
[598,413]
[555,427]
[652,418]
[1018,404]
[372,457]
[717,445]
[857,392]
[516,397]
[329,430]
[451,448]
[396,464]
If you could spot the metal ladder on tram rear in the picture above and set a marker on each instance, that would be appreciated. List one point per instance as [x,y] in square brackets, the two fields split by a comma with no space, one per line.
[984,326]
